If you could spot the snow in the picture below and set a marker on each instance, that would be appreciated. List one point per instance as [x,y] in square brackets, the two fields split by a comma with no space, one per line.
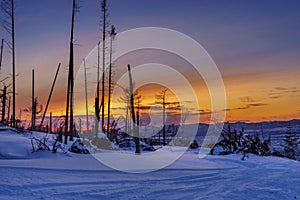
[45,175]
[14,145]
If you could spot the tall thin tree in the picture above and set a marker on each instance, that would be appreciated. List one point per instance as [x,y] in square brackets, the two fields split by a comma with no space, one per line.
[97,108]
[33,104]
[104,11]
[161,99]
[4,92]
[86,98]
[135,133]
[112,36]
[1,53]
[8,109]
[8,8]
[70,87]
[50,95]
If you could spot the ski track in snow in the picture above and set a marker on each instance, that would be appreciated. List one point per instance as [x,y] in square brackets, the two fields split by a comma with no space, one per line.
[253,178]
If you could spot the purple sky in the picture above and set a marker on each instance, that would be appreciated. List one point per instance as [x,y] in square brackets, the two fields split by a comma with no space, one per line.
[248,40]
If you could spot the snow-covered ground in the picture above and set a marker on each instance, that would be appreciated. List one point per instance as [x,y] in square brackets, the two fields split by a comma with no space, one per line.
[45,175]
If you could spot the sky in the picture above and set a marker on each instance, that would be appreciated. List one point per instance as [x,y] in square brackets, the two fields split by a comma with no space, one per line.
[255,45]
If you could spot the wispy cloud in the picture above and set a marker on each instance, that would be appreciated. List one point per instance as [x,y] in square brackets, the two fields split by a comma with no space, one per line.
[248,106]
[275,97]
[256,105]
[281,88]
[288,90]
[279,92]
[247,99]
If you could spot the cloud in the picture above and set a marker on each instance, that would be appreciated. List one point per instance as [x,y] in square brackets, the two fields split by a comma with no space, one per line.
[285,90]
[247,99]
[174,108]
[275,97]
[174,103]
[294,91]
[274,93]
[245,107]
[206,113]
[280,88]
[256,104]
[278,92]
[241,108]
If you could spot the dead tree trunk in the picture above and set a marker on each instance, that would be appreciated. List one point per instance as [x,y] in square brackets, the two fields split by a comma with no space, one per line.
[49,97]
[86,98]
[135,134]
[50,128]
[112,35]
[70,86]
[104,9]
[13,61]
[161,97]
[8,110]
[97,108]
[8,24]
[3,105]
[1,53]
[33,104]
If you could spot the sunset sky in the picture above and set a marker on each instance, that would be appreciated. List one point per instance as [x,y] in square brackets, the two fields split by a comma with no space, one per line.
[255,45]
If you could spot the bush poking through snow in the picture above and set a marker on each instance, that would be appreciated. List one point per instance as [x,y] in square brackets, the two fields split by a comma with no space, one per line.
[239,142]
[40,144]
[78,147]
[57,145]
[194,145]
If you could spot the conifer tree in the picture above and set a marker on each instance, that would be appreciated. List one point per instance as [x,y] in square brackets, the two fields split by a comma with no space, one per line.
[291,144]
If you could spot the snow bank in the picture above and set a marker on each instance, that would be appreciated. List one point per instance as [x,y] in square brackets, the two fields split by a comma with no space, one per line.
[14,145]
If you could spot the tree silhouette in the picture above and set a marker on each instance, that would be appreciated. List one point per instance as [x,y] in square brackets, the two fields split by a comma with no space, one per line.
[161,99]
[8,8]
[112,36]
[70,87]
[291,144]
[135,131]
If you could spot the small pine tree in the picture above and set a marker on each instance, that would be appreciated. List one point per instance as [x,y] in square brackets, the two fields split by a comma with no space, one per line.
[291,144]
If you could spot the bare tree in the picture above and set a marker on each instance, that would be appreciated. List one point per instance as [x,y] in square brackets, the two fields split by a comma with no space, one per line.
[70,87]
[112,36]
[97,108]
[126,100]
[33,104]
[35,110]
[161,99]
[86,99]
[104,11]
[135,133]
[1,53]
[50,95]
[8,8]
[3,96]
